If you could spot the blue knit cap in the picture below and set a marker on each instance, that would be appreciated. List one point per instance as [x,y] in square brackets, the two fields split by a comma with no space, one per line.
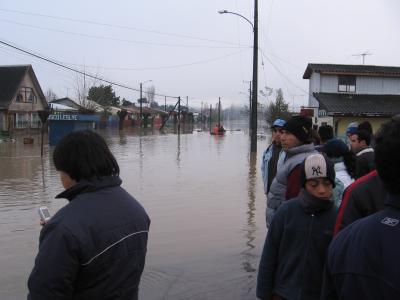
[278,123]
[352,128]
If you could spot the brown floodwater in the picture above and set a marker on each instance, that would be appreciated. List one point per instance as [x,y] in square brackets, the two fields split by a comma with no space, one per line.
[203,194]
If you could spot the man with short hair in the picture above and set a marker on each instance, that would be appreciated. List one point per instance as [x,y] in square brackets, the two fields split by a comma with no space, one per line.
[325,133]
[297,144]
[272,155]
[360,145]
[363,259]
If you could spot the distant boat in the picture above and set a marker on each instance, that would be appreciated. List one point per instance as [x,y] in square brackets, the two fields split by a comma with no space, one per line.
[218,129]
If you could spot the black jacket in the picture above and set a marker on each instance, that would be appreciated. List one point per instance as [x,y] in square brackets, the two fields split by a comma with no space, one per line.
[94,247]
[294,253]
[362,198]
[363,259]
[365,162]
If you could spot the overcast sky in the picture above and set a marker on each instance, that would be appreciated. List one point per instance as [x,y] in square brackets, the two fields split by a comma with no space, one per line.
[187,49]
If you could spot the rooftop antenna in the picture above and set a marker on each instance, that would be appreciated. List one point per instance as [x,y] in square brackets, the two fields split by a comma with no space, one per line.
[363,55]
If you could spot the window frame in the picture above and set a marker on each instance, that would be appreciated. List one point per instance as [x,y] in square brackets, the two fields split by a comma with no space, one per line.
[26,95]
[347,86]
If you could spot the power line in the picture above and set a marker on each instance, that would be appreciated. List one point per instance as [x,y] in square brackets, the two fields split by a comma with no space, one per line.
[164,67]
[115,39]
[77,71]
[280,72]
[116,26]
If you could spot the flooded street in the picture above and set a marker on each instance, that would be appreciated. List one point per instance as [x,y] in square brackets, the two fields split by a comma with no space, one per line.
[203,193]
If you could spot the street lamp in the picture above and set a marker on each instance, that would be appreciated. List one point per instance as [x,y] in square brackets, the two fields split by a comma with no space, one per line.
[141,100]
[253,118]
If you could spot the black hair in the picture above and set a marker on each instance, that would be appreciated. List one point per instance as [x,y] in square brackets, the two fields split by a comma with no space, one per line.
[336,148]
[363,135]
[365,126]
[387,159]
[316,139]
[84,155]
[325,132]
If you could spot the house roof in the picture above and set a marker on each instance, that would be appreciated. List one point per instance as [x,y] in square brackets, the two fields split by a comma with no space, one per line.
[361,70]
[358,105]
[10,80]
[61,107]
[86,104]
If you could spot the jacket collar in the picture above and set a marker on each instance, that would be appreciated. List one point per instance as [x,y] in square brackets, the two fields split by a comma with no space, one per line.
[392,200]
[312,204]
[87,186]
[301,149]
[365,150]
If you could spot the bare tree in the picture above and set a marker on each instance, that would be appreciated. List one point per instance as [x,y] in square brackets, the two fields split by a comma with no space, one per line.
[50,95]
[82,86]
[150,91]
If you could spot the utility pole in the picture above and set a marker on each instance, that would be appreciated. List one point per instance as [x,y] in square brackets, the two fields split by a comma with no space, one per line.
[141,100]
[165,103]
[179,114]
[253,143]
[249,82]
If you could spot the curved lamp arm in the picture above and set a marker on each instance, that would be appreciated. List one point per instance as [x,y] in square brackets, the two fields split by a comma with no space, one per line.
[239,15]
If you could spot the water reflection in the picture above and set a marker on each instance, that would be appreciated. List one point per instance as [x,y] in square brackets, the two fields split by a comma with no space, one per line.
[178,150]
[251,226]
[201,192]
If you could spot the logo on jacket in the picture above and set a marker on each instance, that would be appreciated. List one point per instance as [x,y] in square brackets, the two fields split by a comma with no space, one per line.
[390,222]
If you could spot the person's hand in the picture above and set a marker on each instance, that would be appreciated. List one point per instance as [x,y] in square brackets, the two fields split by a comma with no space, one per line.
[42,222]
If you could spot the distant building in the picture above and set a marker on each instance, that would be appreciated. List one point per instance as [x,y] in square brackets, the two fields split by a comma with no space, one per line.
[21,97]
[341,94]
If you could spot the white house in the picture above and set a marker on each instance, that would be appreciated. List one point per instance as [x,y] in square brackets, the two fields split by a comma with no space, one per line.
[341,94]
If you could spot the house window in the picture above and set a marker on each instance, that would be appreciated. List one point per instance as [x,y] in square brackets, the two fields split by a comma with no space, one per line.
[26,94]
[22,120]
[35,120]
[347,84]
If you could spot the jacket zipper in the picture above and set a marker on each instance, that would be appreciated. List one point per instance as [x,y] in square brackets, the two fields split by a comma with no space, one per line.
[306,253]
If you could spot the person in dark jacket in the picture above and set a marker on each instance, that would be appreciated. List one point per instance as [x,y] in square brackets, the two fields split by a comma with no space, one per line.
[95,246]
[360,145]
[363,258]
[293,257]
[362,198]
[272,155]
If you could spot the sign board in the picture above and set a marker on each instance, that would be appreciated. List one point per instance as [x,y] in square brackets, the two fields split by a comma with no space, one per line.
[322,113]
[307,112]
[77,117]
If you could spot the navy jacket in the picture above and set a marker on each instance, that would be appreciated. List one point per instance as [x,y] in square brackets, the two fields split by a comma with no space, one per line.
[94,247]
[363,259]
[294,253]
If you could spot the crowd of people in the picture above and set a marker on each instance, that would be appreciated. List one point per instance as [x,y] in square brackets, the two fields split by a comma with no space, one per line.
[333,212]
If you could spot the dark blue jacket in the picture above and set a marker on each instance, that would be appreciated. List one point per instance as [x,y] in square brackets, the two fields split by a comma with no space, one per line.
[94,247]
[293,257]
[364,258]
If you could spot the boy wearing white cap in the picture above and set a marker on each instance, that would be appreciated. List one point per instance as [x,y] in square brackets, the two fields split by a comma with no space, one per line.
[293,257]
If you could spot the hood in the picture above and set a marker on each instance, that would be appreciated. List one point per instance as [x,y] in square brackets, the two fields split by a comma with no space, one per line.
[301,149]
[88,186]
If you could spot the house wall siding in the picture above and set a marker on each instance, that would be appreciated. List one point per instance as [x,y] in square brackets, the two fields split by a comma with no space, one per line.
[314,87]
[364,85]
[26,107]
[329,84]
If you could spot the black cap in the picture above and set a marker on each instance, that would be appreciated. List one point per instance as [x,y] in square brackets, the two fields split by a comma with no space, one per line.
[300,127]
